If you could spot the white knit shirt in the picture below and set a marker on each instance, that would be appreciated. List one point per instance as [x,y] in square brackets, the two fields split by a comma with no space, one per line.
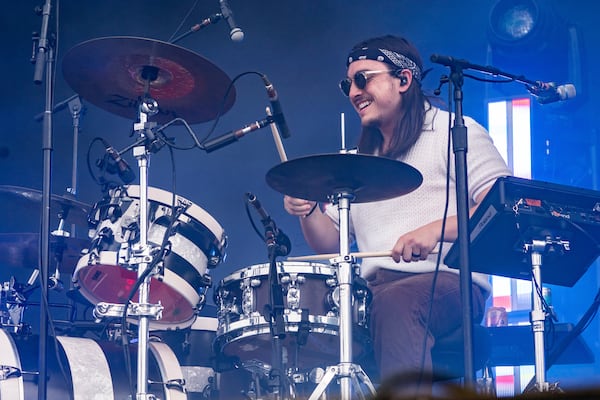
[376,226]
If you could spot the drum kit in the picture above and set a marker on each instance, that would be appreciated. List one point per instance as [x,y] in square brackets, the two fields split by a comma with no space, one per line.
[145,266]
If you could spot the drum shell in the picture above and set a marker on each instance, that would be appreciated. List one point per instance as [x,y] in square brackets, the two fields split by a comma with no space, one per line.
[92,369]
[106,272]
[245,333]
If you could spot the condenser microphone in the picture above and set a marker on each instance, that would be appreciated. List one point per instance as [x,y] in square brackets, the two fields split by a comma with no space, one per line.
[546,93]
[276,110]
[235,33]
[123,169]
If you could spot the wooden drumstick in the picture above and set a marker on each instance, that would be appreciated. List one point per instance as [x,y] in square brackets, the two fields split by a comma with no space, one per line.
[277,138]
[364,254]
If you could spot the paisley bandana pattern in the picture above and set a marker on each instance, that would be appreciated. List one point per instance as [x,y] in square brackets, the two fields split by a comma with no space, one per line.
[398,60]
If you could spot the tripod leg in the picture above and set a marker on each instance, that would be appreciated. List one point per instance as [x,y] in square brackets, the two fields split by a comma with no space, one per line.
[361,377]
[320,389]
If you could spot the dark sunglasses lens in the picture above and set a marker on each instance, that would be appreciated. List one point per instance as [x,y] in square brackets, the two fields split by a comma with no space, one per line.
[360,80]
[345,86]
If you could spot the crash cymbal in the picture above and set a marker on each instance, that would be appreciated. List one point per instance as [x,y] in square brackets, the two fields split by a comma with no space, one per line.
[113,73]
[28,202]
[23,249]
[369,178]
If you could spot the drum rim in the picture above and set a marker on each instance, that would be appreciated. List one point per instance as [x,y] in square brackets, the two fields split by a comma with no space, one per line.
[293,267]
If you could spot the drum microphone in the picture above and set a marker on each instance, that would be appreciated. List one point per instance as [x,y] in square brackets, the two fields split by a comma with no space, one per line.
[548,92]
[276,108]
[123,169]
[235,33]
[273,235]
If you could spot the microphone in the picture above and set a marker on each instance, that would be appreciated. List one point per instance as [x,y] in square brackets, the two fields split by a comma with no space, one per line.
[276,108]
[235,33]
[123,169]
[265,218]
[273,235]
[546,93]
[233,136]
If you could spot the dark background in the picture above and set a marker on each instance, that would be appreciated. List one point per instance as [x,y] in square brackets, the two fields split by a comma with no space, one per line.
[301,46]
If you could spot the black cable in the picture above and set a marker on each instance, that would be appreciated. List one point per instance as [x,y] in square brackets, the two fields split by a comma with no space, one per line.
[564,343]
[439,256]
[249,214]
[159,258]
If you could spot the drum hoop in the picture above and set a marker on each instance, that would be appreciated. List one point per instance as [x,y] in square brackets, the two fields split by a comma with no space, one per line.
[170,369]
[205,324]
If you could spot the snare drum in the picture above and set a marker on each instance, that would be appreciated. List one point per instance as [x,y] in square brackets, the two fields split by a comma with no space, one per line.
[93,370]
[197,241]
[310,314]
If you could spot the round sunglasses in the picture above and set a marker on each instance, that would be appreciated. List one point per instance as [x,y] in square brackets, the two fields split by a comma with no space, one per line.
[360,79]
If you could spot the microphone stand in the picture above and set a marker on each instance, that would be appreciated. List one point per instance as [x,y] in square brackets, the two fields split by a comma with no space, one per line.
[45,58]
[460,147]
[276,323]
[275,311]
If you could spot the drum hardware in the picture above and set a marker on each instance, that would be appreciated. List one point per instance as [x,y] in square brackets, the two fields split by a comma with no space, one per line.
[341,179]
[7,372]
[104,310]
[540,223]
[13,300]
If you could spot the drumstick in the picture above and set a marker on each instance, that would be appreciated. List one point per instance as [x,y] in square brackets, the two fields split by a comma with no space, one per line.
[277,138]
[363,254]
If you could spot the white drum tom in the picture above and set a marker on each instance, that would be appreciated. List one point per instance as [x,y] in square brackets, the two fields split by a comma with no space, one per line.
[197,242]
[92,370]
[310,312]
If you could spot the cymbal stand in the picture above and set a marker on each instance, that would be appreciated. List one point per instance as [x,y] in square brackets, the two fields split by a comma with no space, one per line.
[349,374]
[142,252]
[140,255]
[538,316]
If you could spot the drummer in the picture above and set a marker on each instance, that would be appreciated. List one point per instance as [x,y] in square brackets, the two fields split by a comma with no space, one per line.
[383,84]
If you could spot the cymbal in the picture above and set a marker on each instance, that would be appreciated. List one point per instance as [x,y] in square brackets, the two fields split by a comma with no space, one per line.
[23,249]
[112,73]
[368,178]
[29,202]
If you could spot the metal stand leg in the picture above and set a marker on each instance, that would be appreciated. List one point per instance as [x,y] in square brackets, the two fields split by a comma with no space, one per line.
[347,372]
[538,314]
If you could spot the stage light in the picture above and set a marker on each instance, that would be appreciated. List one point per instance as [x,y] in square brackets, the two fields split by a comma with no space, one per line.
[525,26]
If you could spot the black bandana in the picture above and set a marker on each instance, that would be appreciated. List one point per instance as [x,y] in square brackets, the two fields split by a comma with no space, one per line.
[398,60]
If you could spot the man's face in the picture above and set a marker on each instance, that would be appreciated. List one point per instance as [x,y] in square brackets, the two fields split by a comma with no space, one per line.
[378,103]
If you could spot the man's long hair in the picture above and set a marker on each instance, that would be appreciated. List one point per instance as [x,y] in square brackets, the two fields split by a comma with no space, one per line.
[414,101]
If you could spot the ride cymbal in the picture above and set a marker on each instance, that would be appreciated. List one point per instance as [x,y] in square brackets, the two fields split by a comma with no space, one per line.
[368,178]
[115,73]
[29,202]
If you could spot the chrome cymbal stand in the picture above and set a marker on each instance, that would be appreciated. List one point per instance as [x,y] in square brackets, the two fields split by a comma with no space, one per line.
[349,374]
[140,256]
[142,252]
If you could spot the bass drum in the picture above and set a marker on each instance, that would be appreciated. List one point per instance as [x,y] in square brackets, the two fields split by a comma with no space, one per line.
[310,314]
[83,369]
[193,348]
[197,242]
